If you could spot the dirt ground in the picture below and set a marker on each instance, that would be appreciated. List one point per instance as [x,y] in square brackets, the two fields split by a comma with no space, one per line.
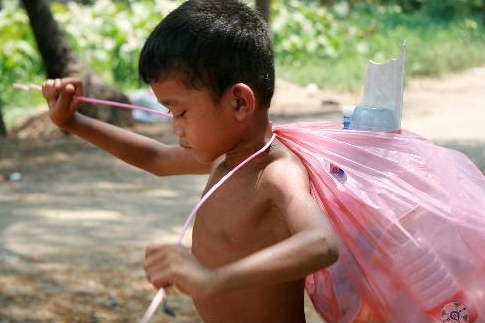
[74,221]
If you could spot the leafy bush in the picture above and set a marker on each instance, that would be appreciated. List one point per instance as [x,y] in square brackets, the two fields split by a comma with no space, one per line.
[304,29]
[327,45]
[107,35]
[112,34]
[19,59]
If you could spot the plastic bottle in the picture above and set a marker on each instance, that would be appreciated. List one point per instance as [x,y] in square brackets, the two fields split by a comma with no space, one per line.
[372,119]
[432,285]
[364,118]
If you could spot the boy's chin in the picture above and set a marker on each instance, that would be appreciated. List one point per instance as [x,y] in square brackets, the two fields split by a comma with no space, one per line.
[204,159]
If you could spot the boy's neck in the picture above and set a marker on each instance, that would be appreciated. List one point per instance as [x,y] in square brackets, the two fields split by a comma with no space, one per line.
[253,140]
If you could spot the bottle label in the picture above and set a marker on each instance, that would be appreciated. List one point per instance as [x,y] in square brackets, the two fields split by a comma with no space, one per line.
[455,312]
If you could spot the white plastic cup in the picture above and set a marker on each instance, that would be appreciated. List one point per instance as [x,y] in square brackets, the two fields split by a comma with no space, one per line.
[432,285]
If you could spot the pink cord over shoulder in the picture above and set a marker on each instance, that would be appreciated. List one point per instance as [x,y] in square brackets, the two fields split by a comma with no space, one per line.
[217,185]
[161,296]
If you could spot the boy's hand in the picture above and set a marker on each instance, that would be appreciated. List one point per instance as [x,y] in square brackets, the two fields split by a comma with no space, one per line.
[59,96]
[167,265]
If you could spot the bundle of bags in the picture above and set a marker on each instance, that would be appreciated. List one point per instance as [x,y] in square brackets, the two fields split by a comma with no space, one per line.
[410,216]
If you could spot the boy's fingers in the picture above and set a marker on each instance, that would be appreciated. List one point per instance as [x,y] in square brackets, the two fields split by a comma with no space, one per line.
[57,84]
[48,89]
[65,97]
[76,83]
[49,92]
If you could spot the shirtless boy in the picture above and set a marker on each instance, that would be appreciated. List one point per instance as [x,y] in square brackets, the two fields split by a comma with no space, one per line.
[257,237]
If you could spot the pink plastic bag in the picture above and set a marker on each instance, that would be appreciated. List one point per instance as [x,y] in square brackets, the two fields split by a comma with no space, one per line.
[410,216]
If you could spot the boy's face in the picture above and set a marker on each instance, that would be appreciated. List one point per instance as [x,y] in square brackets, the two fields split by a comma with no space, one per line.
[204,127]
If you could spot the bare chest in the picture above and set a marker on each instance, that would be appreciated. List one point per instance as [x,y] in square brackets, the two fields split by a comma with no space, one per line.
[234,222]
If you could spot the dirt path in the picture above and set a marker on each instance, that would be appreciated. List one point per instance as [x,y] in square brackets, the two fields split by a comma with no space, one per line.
[73,229]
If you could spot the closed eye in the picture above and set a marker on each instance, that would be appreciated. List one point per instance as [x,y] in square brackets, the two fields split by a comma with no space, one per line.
[181,115]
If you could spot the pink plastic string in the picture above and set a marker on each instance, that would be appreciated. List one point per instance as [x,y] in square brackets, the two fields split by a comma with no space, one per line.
[161,296]
[28,87]
[217,185]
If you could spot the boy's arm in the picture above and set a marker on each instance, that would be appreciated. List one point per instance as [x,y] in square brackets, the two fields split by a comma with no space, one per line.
[134,149]
[311,246]
[137,150]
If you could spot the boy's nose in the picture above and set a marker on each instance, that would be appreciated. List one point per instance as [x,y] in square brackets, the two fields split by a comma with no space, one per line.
[177,131]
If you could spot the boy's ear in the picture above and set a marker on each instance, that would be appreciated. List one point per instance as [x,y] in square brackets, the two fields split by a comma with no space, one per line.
[243,101]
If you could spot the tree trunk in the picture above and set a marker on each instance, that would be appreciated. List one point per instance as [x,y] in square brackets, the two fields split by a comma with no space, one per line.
[60,61]
[263,7]
[3,128]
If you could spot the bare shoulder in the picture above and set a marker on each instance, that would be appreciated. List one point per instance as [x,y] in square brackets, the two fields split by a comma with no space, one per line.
[285,173]
[286,185]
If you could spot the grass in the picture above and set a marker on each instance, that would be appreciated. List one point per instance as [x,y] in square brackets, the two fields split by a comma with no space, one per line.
[434,48]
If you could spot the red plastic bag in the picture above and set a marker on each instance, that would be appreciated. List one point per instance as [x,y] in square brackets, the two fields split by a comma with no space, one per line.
[410,216]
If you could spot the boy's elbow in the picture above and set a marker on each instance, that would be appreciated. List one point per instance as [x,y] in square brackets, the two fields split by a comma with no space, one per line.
[330,250]
[332,254]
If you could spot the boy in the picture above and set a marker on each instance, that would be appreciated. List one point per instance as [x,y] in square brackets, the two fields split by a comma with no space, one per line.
[257,237]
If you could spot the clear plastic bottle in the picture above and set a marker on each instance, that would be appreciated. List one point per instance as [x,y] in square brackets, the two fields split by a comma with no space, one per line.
[372,119]
[432,285]
[364,118]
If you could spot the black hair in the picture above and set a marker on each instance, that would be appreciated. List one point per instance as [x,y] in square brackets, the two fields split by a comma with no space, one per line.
[212,44]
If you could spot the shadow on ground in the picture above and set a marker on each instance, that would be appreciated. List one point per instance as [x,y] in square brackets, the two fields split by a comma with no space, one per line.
[73,232]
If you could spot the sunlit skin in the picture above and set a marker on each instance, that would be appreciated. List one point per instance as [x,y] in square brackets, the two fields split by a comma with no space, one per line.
[257,237]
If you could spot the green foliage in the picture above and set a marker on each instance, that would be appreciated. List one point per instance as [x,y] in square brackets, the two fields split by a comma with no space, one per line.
[108,35]
[304,29]
[444,9]
[19,59]
[314,43]
[441,36]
